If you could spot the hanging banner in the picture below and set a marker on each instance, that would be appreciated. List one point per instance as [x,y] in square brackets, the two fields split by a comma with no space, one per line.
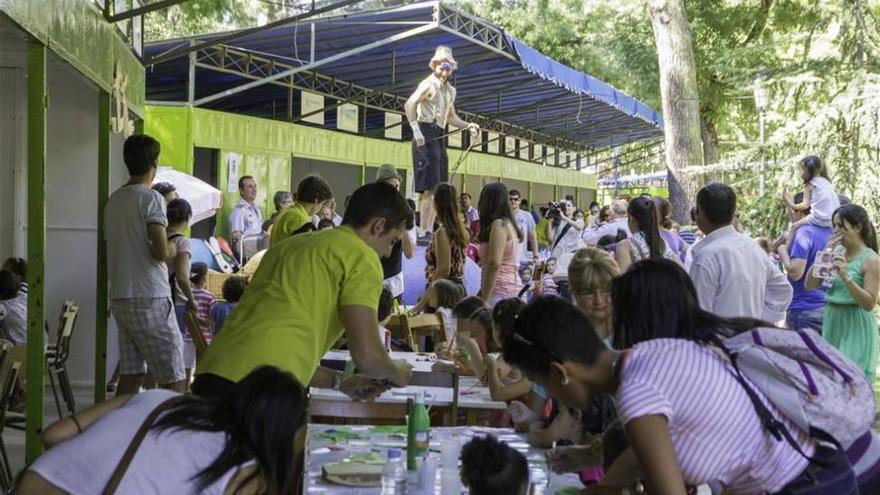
[347,117]
[492,140]
[393,126]
[550,156]
[455,139]
[510,146]
[311,102]
[233,162]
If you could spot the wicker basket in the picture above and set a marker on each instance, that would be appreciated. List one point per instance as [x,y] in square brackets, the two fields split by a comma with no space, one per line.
[216,279]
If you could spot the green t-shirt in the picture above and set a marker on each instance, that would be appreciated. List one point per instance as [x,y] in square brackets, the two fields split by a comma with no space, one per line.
[288,222]
[289,315]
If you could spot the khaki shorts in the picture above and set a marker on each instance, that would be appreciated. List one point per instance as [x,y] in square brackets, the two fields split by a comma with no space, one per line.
[148,336]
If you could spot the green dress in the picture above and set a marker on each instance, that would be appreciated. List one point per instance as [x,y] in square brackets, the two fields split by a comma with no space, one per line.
[849,327]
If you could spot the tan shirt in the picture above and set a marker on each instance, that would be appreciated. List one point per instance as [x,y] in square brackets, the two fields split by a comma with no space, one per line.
[440,100]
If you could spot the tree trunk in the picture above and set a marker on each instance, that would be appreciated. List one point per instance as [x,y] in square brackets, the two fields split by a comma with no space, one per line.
[710,141]
[681,101]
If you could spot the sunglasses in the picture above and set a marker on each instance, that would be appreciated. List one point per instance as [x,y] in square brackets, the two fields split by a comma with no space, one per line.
[445,66]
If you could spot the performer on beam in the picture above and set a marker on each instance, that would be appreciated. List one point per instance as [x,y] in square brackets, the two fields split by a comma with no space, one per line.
[428,111]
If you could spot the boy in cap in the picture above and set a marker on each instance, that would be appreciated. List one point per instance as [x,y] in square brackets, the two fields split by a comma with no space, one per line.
[428,111]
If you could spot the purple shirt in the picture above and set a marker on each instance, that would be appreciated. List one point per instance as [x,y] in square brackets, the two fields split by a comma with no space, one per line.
[675,243]
[807,241]
[717,436]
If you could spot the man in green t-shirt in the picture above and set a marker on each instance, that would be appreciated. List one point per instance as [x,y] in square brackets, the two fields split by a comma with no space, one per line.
[306,290]
[312,193]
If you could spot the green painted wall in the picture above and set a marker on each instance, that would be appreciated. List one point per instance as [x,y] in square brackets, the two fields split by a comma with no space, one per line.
[266,147]
[80,35]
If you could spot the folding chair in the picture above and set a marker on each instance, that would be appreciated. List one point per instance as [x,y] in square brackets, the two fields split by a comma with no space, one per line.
[195,333]
[9,370]
[56,358]
[423,325]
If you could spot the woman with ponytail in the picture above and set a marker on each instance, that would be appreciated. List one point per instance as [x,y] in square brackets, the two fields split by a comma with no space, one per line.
[645,241]
[240,443]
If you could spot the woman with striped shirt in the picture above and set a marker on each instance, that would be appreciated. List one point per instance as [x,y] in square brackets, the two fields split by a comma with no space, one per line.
[688,420]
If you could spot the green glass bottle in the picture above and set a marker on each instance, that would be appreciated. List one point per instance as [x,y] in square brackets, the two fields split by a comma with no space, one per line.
[418,427]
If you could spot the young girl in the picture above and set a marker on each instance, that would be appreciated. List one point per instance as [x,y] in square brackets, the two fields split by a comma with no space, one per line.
[819,195]
[490,467]
[548,285]
[203,300]
[505,383]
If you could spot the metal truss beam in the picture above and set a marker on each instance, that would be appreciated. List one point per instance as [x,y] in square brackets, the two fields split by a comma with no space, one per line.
[317,63]
[172,54]
[475,30]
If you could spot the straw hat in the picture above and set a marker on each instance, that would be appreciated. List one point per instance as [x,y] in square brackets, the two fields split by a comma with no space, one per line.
[443,53]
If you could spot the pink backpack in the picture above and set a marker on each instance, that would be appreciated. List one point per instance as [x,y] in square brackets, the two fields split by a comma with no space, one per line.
[808,380]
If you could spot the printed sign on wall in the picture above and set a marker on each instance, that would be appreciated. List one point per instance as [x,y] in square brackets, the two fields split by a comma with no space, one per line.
[393,127]
[509,146]
[347,117]
[311,102]
[455,138]
[492,139]
[233,162]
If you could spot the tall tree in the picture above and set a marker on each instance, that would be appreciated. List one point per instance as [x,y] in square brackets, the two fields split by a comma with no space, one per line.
[680,99]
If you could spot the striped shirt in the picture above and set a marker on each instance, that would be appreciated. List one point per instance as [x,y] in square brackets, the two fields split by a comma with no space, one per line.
[204,300]
[715,431]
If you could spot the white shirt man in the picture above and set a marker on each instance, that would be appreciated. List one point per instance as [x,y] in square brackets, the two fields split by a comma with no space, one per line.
[526,224]
[618,222]
[732,274]
[246,218]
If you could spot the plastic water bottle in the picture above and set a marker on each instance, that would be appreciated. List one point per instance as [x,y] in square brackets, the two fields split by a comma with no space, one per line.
[394,474]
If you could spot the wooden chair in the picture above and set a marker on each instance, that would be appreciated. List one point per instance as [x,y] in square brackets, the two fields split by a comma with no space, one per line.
[9,370]
[195,333]
[56,357]
[413,328]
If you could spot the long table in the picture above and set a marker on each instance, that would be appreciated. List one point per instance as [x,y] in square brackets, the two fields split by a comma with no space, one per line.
[321,450]
[473,397]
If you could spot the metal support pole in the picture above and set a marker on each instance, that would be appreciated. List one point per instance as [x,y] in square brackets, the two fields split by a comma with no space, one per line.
[191,79]
[37,102]
[102,313]
[763,154]
[312,41]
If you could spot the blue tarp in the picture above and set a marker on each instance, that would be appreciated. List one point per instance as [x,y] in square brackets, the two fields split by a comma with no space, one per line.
[516,84]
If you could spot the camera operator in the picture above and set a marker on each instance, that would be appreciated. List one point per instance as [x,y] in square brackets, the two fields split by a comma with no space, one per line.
[565,227]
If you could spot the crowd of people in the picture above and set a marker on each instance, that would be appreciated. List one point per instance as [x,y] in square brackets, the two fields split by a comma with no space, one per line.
[600,328]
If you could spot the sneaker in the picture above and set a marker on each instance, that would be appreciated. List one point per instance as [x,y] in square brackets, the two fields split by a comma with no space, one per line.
[425,239]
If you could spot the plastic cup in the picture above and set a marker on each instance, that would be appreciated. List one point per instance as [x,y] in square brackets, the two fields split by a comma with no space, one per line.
[450,450]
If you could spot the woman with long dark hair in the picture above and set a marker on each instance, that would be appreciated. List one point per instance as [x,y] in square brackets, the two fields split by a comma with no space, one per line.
[849,323]
[500,239]
[688,420]
[241,443]
[665,224]
[645,241]
[445,256]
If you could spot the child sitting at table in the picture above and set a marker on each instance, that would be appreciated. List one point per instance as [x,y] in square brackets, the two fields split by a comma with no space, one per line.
[233,289]
[491,467]
[505,382]
[472,339]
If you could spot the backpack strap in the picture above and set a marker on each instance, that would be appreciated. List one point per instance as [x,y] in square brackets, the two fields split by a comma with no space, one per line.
[561,235]
[770,423]
[136,441]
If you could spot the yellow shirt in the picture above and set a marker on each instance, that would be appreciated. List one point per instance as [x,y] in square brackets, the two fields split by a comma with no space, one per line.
[288,222]
[289,315]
